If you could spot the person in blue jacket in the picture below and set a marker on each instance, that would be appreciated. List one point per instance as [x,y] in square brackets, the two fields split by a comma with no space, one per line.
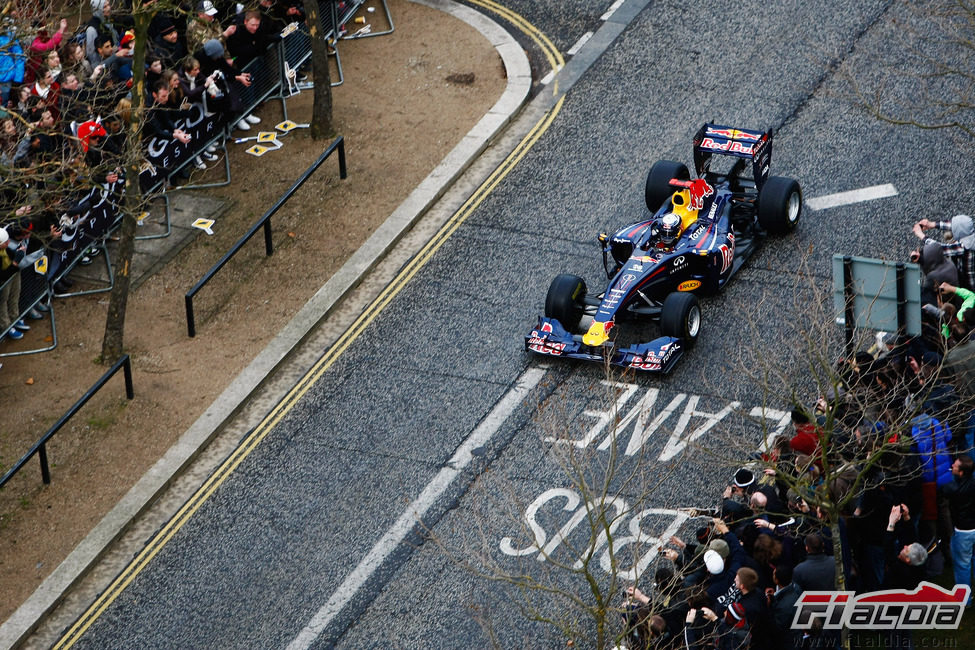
[11,63]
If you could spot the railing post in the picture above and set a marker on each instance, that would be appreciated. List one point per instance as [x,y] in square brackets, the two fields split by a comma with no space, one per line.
[127,373]
[268,243]
[45,469]
[342,171]
[190,321]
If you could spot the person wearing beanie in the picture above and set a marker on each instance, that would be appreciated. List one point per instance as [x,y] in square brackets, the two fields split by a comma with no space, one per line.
[213,60]
[960,249]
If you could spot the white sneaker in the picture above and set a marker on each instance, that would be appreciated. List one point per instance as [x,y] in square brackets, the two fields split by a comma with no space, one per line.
[212,148]
[199,163]
[253,119]
[243,125]
[210,156]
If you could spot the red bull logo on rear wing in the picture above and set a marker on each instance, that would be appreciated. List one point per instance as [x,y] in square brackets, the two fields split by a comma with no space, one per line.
[742,143]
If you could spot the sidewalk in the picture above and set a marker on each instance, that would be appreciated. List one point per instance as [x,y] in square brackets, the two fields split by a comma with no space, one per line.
[152,255]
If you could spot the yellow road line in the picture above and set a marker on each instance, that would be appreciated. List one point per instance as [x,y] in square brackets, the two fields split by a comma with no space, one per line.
[254,439]
[555,59]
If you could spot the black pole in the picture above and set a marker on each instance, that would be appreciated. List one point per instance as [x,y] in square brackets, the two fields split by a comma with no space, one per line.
[45,468]
[190,320]
[848,298]
[901,301]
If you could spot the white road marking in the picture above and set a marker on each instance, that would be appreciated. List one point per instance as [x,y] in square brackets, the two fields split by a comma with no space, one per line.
[853,196]
[612,9]
[551,75]
[415,512]
[578,46]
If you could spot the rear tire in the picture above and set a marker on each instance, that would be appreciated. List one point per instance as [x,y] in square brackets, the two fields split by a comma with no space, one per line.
[779,205]
[680,317]
[658,187]
[564,301]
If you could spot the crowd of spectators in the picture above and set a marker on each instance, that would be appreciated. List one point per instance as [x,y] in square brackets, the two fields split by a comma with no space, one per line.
[65,105]
[884,459]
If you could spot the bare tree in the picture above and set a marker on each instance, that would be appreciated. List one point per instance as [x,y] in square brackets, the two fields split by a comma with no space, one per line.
[321,120]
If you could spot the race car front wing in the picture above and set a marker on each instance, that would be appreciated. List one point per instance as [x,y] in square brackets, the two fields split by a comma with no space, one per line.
[659,355]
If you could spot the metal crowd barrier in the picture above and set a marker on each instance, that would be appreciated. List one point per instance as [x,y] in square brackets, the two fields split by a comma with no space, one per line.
[40,447]
[265,223]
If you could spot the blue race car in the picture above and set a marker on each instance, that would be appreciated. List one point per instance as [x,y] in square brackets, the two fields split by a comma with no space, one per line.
[701,232]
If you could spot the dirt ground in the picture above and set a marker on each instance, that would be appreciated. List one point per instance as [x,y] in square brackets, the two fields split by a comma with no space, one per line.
[400,115]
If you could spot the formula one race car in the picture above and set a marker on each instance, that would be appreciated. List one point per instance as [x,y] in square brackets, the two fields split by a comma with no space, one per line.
[701,232]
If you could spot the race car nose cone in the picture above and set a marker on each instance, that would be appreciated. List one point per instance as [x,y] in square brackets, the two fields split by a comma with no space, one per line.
[598,333]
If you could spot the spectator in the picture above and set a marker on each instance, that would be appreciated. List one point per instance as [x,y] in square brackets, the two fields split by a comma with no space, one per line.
[40,48]
[204,26]
[159,119]
[73,60]
[48,91]
[11,324]
[818,571]
[251,39]
[960,494]
[212,60]
[782,608]
[170,46]
[12,66]
[98,31]
[960,250]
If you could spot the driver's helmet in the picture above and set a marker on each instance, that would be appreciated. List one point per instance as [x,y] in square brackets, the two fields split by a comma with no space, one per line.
[670,228]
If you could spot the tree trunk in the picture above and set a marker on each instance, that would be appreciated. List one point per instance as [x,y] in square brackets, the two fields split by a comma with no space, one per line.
[321,120]
[113,341]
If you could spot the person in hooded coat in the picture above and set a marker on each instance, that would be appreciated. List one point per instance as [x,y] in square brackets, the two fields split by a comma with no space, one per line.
[960,249]
[936,269]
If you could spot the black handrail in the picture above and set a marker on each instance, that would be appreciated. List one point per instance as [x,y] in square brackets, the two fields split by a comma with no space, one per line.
[40,447]
[265,222]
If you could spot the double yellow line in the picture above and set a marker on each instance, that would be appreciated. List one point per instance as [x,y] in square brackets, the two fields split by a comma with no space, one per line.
[254,439]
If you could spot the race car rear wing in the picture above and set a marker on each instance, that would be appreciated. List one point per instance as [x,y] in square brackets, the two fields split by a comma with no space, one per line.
[741,143]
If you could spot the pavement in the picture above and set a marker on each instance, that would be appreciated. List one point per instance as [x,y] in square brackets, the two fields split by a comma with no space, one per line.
[153,254]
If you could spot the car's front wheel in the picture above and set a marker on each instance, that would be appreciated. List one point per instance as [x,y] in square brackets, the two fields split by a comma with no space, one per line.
[564,301]
[680,316]
[779,205]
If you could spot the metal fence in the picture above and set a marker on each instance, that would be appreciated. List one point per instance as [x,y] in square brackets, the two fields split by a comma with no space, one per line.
[263,223]
[40,447]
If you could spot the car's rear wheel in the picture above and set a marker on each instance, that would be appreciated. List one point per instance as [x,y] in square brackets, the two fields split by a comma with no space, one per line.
[680,316]
[564,301]
[779,205]
[658,187]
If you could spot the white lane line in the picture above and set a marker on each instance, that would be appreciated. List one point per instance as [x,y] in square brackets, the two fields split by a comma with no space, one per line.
[416,510]
[853,196]
[551,75]
[612,9]
[578,46]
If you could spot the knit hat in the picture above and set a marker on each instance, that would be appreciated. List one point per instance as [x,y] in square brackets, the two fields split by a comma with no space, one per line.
[213,48]
[720,547]
[744,477]
[963,230]
[206,7]
[714,562]
[127,38]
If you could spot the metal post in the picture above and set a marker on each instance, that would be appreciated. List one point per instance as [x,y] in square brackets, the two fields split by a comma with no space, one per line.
[848,298]
[127,373]
[45,469]
[901,300]
[341,143]
[190,321]
[268,244]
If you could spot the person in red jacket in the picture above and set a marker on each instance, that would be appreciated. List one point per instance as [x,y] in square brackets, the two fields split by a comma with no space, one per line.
[40,46]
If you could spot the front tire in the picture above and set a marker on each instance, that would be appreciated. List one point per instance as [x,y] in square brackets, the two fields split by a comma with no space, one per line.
[779,205]
[680,317]
[658,187]
[564,301]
